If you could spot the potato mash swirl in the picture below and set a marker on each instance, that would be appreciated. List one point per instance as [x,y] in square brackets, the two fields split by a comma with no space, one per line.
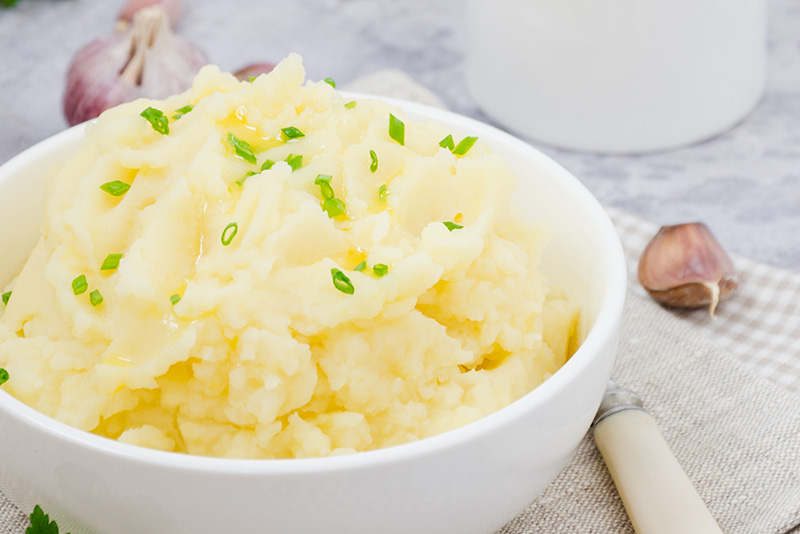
[331,291]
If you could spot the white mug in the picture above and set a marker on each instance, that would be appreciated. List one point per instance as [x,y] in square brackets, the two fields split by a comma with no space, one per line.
[616,76]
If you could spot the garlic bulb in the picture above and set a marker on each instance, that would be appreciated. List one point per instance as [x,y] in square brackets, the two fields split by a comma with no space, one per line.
[131,7]
[684,266]
[147,60]
[252,71]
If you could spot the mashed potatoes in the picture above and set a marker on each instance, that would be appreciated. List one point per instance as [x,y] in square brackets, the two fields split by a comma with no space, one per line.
[287,276]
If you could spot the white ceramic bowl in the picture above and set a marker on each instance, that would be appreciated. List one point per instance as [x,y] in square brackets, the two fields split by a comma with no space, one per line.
[470,480]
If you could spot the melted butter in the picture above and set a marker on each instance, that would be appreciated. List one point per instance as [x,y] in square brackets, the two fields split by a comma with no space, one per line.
[349,259]
[237,125]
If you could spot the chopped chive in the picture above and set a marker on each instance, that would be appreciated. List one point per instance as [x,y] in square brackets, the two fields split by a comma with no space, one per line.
[452,226]
[229,233]
[464,146]
[341,282]
[115,188]
[182,111]
[95,298]
[334,207]
[157,120]
[246,176]
[447,143]
[3,376]
[380,269]
[267,165]
[330,82]
[5,297]
[373,161]
[397,130]
[242,149]
[382,191]
[324,183]
[174,299]
[292,133]
[295,162]
[111,262]
[80,285]
[351,104]
[361,266]
[253,78]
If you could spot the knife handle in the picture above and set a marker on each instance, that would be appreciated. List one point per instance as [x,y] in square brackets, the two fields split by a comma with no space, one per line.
[656,492]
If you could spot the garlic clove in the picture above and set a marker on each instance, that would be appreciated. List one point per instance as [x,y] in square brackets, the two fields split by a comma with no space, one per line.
[253,71]
[684,266]
[147,60]
[131,7]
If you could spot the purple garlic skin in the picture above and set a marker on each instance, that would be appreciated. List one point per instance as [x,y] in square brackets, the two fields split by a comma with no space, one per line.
[147,60]
[684,266]
[253,71]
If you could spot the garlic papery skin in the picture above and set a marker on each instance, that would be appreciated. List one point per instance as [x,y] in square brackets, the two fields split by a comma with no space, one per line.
[684,266]
[254,70]
[147,60]
[131,7]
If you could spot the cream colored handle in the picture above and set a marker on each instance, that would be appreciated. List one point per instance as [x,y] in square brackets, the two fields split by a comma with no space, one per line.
[656,492]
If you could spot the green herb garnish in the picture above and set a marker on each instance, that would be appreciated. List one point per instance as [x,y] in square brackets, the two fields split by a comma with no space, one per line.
[174,299]
[452,226]
[295,162]
[5,297]
[361,266]
[373,161]
[464,145]
[267,165]
[330,82]
[382,191]
[291,132]
[111,262]
[351,104]
[447,143]
[246,176]
[397,130]
[115,188]
[40,523]
[229,233]
[3,376]
[324,183]
[80,285]
[182,111]
[95,298]
[341,282]
[380,269]
[241,148]
[157,120]
[334,207]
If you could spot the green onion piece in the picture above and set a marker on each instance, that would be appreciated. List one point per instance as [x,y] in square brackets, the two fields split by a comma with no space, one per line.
[464,146]
[174,299]
[447,143]
[330,82]
[229,233]
[242,149]
[324,183]
[5,297]
[351,104]
[334,207]
[380,269]
[246,176]
[382,192]
[3,376]
[267,165]
[157,120]
[182,111]
[373,161]
[295,162]
[341,282]
[115,188]
[95,298]
[452,226]
[111,262]
[80,285]
[397,130]
[253,78]
[361,266]
[292,133]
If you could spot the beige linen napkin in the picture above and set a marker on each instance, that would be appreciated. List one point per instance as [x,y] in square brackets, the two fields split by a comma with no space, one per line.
[724,392]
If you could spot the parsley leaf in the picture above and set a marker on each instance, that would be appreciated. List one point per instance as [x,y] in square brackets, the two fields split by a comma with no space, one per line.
[40,523]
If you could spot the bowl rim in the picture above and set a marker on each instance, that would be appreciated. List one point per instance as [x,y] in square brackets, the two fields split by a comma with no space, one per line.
[608,315]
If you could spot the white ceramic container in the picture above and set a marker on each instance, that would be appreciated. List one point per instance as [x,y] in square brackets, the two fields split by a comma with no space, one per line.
[470,480]
[616,76]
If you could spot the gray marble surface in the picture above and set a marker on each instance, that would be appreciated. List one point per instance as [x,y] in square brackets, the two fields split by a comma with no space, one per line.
[745,184]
